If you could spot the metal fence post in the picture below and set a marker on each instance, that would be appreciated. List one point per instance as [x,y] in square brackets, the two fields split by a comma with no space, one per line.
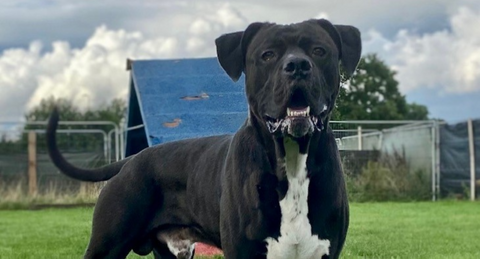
[359,134]
[471,147]
[434,178]
[122,143]
[438,160]
[437,157]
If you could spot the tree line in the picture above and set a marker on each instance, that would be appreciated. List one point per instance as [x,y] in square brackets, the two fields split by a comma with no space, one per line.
[113,112]
[373,94]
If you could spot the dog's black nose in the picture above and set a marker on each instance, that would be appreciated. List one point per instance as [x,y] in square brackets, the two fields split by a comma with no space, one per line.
[297,67]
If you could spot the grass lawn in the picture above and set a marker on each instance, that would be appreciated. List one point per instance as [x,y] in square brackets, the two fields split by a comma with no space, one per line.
[378,230]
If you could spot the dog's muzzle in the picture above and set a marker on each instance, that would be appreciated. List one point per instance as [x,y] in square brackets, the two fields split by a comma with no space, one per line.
[298,123]
[296,71]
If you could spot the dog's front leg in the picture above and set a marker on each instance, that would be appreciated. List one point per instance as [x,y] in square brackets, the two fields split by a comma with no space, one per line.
[243,250]
[249,211]
[244,223]
[240,226]
[235,245]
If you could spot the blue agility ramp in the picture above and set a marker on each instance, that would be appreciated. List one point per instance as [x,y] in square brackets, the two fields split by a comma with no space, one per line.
[178,99]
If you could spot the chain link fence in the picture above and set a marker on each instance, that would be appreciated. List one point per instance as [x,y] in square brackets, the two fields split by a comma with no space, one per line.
[26,169]
[412,145]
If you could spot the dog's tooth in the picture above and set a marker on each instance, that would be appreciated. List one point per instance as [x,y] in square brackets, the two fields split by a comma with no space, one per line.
[297,113]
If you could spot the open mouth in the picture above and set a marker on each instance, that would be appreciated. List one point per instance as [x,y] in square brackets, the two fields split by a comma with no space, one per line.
[297,123]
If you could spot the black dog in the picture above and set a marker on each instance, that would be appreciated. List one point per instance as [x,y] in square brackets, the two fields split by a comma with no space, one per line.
[275,189]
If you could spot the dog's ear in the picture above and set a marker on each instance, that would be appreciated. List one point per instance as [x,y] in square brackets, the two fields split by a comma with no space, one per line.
[351,47]
[232,47]
[348,41]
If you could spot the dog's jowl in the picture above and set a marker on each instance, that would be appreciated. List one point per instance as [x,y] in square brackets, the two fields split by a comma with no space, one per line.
[274,189]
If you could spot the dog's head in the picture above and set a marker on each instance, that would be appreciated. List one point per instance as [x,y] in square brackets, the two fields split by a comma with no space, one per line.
[291,71]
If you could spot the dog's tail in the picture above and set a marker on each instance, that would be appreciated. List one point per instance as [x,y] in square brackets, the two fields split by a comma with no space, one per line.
[90,175]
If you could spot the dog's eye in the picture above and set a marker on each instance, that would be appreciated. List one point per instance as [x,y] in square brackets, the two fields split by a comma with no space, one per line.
[268,55]
[319,51]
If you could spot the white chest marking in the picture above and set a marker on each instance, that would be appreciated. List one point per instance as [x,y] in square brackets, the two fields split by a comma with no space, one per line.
[296,240]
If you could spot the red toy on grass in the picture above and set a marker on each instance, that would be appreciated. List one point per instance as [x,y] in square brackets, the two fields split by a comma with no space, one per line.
[203,249]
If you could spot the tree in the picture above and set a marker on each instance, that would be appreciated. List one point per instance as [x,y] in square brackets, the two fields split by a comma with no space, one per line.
[113,112]
[372,94]
[7,146]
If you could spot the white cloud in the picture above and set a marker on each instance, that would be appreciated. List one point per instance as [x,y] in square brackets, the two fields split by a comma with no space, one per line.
[322,15]
[90,68]
[209,25]
[95,73]
[88,76]
[17,78]
[448,60]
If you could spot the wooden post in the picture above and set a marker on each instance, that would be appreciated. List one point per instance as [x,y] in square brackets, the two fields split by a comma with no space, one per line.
[471,147]
[32,163]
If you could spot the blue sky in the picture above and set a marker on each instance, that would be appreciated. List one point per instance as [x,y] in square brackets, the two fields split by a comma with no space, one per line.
[77,49]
